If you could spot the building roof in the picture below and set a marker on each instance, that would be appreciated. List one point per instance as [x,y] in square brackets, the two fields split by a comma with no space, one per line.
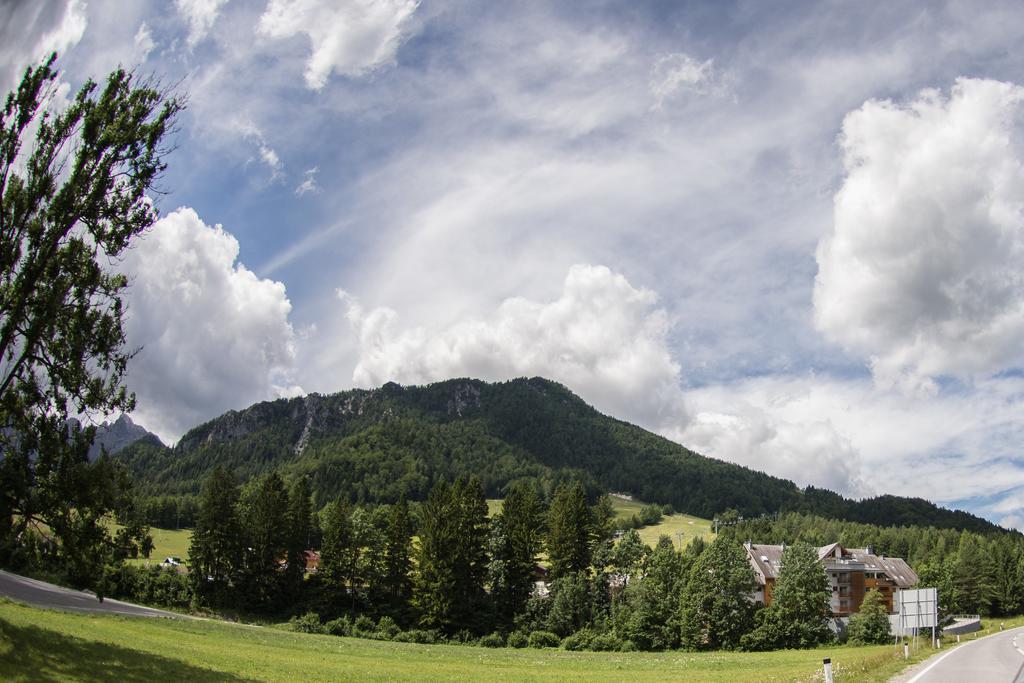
[896,567]
[766,561]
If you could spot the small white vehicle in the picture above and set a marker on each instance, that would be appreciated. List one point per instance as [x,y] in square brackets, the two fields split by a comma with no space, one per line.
[171,561]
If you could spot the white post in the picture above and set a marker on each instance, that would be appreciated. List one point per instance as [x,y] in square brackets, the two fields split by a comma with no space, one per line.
[958,638]
[906,651]
[828,670]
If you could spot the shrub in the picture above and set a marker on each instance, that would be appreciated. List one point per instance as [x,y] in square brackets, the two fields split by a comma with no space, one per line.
[870,626]
[579,640]
[418,636]
[363,627]
[605,642]
[463,637]
[543,639]
[627,646]
[518,639]
[493,640]
[387,629]
[307,623]
[339,627]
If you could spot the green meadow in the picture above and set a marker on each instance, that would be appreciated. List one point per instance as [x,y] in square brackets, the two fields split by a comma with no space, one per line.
[43,645]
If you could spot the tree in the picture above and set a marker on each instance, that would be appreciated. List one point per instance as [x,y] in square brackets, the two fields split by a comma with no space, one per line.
[396,556]
[516,541]
[645,613]
[569,531]
[215,552]
[870,626]
[73,194]
[300,513]
[452,558]
[715,609]
[799,612]
[337,545]
[263,512]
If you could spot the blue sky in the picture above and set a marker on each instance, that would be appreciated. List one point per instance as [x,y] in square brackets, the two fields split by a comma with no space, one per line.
[787,235]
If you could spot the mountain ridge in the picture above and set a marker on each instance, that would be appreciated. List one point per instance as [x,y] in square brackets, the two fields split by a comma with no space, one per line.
[379,445]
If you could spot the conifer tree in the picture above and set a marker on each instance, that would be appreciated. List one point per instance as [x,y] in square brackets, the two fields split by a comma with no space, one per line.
[570,525]
[396,561]
[299,515]
[336,544]
[215,551]
[263,512]
[516,541]
[645,613]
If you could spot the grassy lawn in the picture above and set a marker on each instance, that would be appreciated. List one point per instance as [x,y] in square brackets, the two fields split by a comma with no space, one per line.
[670,525]
[42,645]
[167,543]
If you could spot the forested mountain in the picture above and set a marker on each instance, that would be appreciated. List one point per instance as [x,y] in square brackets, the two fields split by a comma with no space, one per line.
[383,444]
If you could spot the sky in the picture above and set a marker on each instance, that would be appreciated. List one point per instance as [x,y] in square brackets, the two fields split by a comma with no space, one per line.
[787,235]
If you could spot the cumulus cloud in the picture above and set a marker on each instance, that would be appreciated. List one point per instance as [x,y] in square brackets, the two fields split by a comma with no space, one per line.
[349,38]
[602,337]
[923,272]
[856,438]
[214,336]
[200,16]
[30,31]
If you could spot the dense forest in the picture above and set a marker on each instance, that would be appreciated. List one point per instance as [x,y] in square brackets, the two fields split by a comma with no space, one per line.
[393,443]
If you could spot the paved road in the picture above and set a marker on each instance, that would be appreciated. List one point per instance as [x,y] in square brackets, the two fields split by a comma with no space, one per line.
[997,658]
[42,594]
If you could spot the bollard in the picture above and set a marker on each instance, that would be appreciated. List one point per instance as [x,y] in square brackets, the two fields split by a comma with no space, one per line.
[828,669]
[906,651]
[1000,626]
[958,638]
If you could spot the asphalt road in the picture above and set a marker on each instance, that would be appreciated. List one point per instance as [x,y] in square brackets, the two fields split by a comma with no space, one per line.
[47,595]
[997,658]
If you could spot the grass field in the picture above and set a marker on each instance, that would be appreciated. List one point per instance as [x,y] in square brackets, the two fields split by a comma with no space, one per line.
[678,527]
[167,543]
[43,645]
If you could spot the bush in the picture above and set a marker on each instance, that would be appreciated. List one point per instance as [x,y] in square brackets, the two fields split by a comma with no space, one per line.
[418,636]
[463,637]
[518,639]
[364,627]
[578,641]
[870,626]
[543,639]
[493,640]
[627,646]
[605,642]
[387,629]
[307,623]
[338,627]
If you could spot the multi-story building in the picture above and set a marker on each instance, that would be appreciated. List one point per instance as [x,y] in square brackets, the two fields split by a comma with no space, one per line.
[851,573]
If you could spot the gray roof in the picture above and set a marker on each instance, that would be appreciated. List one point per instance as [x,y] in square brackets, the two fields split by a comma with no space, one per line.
[766,560]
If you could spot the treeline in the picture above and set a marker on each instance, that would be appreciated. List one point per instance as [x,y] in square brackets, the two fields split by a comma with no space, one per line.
[469,578]
[975,573]
[394,443]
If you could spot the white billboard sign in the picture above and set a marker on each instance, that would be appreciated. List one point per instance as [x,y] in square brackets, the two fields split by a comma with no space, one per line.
[917,608]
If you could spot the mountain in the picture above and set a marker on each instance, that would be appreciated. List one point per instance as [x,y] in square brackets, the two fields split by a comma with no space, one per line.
[382,444]
[117,435]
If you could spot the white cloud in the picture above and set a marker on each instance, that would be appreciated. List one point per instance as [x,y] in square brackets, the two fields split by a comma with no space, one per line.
[66,34]
[678,73]
[308,183]
[858,439]
[602,337]
[143,42]
[349,38]
[200,15]
[215,336]
[923,272]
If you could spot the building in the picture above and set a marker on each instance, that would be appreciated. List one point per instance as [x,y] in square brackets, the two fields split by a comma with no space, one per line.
[851,573]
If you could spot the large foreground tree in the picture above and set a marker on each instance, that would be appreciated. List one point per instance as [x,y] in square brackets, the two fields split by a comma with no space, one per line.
[73,194]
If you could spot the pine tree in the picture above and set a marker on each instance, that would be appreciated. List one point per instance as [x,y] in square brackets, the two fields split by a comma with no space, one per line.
[215,551]
[336,546]
[645,613]
[263,512]
[516,541]
[434,587]
[799,612]
[396,561]
[570,526]
[299,525]
[715,609]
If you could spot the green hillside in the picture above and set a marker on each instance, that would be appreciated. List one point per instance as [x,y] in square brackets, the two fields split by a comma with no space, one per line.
[383,444]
